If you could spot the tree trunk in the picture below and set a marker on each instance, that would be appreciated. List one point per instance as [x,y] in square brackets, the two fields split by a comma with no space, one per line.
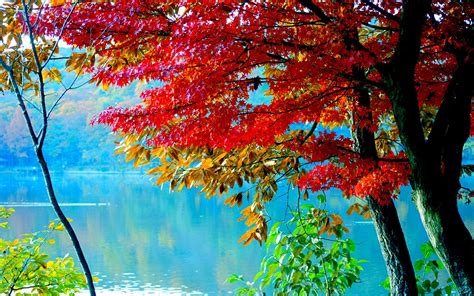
[436,161]
[387,224]
[448,235]
[394,248]
[436,166]
[64,220]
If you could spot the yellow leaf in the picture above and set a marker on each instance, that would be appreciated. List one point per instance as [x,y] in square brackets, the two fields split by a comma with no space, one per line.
[222,189]
[230,201]
[247,237]
[45,75]
[305,195]
[56,75]
[181,186]
[206,163]
[57,2]
[59,227]
[28,85]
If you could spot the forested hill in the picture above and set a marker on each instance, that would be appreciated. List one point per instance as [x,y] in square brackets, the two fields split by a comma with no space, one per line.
[72,142]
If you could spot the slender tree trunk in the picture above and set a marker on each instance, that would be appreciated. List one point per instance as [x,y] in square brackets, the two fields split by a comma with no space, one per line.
[387,224]
[394,248]
[38,139]
[64,220]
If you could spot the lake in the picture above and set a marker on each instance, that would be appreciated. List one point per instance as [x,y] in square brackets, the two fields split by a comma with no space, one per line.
[141,239]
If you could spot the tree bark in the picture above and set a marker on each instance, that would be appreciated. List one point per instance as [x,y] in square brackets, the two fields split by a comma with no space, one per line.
[57,209]
[394,248]
[448,234]
[436,161]
[436,167]
[386,222]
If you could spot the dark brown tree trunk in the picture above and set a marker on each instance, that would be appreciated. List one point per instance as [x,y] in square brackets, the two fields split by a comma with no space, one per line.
[436,165]
[386,222]
[435,161]
[57,209]
[437,184]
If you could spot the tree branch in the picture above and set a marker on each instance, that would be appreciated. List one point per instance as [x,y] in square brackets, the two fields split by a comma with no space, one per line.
[452,124]
[316,10]
[399,77]
[447,111]
[381,11]
[37,61]
[380,27]
[310,132]
[60,34]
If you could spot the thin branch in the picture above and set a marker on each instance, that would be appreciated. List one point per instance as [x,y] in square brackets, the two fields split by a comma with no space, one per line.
[310,132]
[60,35]
[42,136]
[390,29]
[38,17]
[381,11]
[316,10]
[32,104]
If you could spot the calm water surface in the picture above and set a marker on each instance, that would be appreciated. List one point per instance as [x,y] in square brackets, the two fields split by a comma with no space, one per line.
[142,239]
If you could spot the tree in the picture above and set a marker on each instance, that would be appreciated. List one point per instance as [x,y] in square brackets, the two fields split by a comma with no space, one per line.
[25,70]
[314,60]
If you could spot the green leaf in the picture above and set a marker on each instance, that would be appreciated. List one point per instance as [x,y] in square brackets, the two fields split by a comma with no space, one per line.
[351,245]
[426,250]
[272,267]
[321,198]
[235,278]
[297,255]
[419,265]
[427,285]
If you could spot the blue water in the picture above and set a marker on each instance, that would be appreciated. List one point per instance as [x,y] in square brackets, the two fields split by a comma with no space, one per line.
[141,238]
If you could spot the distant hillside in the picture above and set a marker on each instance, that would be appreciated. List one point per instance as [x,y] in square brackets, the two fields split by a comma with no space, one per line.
[72,142]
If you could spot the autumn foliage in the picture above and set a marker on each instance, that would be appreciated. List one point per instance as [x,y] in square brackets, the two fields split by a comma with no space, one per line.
[252,91]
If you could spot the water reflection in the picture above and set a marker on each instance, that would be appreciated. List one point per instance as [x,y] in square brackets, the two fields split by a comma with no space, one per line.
[143,240]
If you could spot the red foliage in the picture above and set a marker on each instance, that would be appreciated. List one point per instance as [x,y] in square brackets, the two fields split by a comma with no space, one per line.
[211,56]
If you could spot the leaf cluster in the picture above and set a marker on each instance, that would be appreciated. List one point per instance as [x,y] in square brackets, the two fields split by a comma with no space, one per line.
[26,269]
[302,261]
